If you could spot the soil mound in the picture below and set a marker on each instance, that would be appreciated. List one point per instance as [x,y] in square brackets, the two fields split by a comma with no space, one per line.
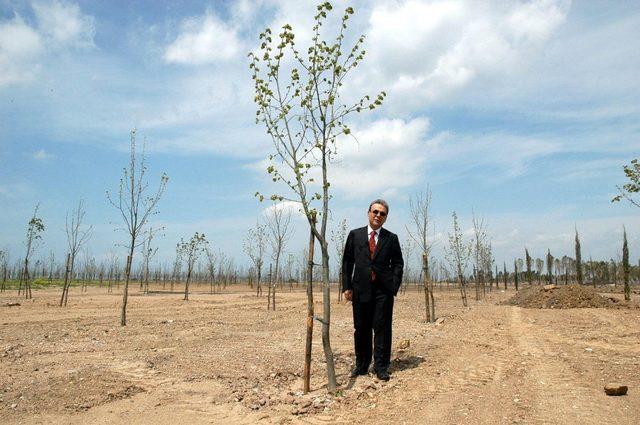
[553,296]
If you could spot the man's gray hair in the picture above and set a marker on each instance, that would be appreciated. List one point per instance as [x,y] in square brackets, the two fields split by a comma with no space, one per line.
[381,202]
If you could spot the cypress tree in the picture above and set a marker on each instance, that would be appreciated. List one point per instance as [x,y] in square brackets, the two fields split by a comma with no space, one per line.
[578,260]
[625,266]
[528,261]
[515,274]
[505,276]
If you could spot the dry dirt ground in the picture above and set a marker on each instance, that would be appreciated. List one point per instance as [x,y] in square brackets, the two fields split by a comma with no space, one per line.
[222,358]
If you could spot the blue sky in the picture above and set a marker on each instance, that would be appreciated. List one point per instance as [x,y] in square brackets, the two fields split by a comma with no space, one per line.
[524,112]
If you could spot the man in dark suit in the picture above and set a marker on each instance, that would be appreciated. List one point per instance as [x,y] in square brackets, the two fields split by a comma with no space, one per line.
[372,273]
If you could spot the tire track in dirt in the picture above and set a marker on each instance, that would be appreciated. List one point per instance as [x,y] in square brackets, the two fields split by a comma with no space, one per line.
[556,395]
[469,385]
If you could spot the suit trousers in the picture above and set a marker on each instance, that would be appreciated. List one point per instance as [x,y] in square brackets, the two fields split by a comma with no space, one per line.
[373,318]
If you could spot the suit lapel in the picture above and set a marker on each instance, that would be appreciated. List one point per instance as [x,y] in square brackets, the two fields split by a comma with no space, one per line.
[382,239]
[363,238]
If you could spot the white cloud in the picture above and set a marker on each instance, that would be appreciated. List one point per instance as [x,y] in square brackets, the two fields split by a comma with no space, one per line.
[23,48]
[388,156]
[204,40]
[20,46]
[42,155]
[64,24]
[288,207]
[426,51]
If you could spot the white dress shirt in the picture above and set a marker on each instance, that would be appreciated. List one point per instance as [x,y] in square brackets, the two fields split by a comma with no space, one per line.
[369,230]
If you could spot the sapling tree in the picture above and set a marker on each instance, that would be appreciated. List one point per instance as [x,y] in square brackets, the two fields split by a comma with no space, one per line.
[482,253]
[35,227]
[177,267]
[4,264]
[299,101]
[148,252]
[457,254]
[254,246]
[339,238]
[136,205]
[77,237]
[190,251]
[211,267]
[419,205]
[278,221]
[407,248]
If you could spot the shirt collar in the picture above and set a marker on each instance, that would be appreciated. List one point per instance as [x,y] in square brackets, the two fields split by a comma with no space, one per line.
[369,230]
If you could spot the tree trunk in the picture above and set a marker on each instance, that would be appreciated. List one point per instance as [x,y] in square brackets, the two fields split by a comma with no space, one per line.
[463,290]
[258,287]
[65,287]
[427,296]
[340,284]
[186,285]
[307,349]
[125,293]
[270,285]
[326,322]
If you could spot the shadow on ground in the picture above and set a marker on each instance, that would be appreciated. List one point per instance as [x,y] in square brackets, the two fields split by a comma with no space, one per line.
[410,362]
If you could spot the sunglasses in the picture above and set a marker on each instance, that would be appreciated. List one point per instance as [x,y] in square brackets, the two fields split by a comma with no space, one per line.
[380,213]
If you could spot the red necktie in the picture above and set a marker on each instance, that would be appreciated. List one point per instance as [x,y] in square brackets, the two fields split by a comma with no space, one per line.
[372,250]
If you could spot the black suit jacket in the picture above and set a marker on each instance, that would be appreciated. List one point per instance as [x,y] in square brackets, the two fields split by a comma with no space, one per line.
[387,263]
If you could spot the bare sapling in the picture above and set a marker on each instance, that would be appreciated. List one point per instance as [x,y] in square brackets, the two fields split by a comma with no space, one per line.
[190,251]
[76,238]
[278,221]
[254,246]
[408,248]
[211,268]
[482,254]
[35,227]
[4,263]
[177,268]
[136,206]
[299,102]
[457,254]
[339,238]
[419,206]
[148,252]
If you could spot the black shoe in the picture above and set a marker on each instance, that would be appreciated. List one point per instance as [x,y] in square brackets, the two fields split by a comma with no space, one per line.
[358,370]
[383,375]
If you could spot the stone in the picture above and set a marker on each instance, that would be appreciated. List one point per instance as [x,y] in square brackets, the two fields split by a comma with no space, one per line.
[549,287]
[614,388]
[439,320]
[404,344]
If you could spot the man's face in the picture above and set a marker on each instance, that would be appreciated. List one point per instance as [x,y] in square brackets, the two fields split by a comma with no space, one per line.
[377,216]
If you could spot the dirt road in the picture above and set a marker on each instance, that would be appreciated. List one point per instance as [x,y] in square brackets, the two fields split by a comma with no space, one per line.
[223,358]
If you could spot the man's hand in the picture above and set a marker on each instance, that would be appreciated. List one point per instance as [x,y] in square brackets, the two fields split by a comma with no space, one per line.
[348,295]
